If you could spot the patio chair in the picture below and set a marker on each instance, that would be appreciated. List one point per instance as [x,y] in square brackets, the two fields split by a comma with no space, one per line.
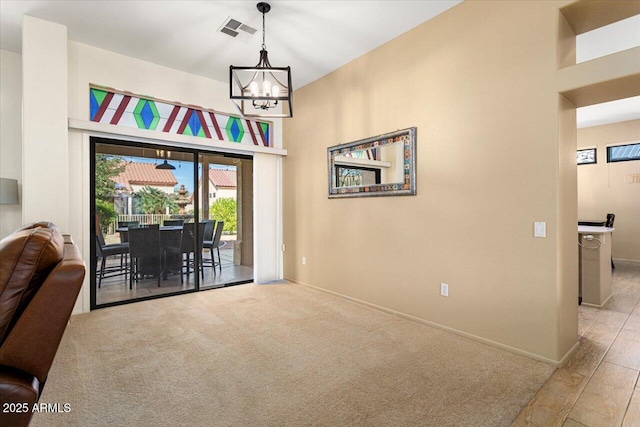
[103,251]
[124,236]
[214,243]
[187,247]
[209,227]
[145,253]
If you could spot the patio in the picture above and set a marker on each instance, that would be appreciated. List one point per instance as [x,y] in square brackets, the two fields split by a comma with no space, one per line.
[116,288]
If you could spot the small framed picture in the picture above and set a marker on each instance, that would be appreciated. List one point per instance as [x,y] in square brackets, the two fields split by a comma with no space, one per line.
[587,156]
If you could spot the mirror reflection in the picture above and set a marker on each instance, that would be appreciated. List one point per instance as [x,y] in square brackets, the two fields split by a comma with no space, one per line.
[376,165]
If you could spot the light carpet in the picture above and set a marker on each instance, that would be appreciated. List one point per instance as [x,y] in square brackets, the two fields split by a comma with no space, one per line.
[278,355]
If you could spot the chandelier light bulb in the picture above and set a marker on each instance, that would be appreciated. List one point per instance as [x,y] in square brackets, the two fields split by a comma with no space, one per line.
[275,90]
[253,88]
[266,88]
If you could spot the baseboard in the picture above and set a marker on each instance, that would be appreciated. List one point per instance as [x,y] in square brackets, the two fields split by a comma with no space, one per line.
[596,305]
[556,363]
[569,354]
[626,260]
[272,282]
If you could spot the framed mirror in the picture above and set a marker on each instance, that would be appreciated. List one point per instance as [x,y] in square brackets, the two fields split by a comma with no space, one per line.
[384,165]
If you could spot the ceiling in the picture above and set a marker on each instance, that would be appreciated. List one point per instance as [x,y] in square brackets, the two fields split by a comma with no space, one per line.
[313,37]
[185,35]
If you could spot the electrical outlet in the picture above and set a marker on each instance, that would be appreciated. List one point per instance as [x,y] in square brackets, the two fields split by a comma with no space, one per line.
[283,248]
[304,260]
[444,289]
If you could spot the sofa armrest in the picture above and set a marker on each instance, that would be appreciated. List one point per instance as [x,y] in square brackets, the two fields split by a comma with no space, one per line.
[33,342]
[19,391]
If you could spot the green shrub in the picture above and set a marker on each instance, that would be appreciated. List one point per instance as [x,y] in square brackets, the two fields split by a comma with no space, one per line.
[224,209]
[106,214]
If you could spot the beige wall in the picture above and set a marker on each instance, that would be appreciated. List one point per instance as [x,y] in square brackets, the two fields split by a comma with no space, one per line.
[610,188]
[10,134]
[566,238]
[45,148]
[479,82]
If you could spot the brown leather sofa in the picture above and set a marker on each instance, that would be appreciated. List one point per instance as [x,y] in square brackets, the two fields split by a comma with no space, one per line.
[41,273]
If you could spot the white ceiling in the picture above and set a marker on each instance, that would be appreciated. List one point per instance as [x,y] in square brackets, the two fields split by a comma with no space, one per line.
[313,37]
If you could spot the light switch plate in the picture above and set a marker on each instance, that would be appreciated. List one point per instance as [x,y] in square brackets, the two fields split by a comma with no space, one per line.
[539,229]
[444,289]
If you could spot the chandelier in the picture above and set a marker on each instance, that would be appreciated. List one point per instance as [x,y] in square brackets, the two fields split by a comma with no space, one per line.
[262,90]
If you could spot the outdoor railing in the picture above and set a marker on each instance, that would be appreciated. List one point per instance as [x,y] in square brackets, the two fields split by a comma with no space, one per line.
[147,219]
[142,218]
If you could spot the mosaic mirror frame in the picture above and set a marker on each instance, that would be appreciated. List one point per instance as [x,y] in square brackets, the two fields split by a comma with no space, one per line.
[376,166]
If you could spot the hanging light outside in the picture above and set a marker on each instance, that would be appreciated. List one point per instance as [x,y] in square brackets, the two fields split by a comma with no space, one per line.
[262,90]
[165,165]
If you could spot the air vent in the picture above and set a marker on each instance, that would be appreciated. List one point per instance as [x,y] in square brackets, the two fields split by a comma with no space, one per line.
[247,29]
[229,32]
[233,24]
[236,29]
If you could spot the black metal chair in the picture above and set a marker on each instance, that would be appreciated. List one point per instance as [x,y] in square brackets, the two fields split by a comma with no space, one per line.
[610,218]
[209,227]
[124,236]
[215,243]
[145,253]
[103,251]
[188,246]
[173,222]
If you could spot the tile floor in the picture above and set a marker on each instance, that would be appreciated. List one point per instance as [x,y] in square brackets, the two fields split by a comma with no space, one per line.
[599,386]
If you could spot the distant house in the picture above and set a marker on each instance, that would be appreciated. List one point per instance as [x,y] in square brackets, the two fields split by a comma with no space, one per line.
[223,183]
[135,177]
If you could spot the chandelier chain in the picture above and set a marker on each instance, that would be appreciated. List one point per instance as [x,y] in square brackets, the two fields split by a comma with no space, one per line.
[264,46]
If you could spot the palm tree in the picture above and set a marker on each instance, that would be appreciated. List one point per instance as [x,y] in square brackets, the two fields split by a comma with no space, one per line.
[154,201]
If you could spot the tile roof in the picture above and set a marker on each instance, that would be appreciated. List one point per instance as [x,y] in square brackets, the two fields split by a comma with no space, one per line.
[145,174]
[223,178]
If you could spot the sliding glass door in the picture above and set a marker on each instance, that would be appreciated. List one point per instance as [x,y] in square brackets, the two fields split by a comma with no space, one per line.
[225,199]
[167,221]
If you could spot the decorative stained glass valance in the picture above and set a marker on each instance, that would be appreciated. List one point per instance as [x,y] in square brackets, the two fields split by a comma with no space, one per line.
[129,110]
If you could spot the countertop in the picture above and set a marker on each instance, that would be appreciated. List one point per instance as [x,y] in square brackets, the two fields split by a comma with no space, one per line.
[587,229]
